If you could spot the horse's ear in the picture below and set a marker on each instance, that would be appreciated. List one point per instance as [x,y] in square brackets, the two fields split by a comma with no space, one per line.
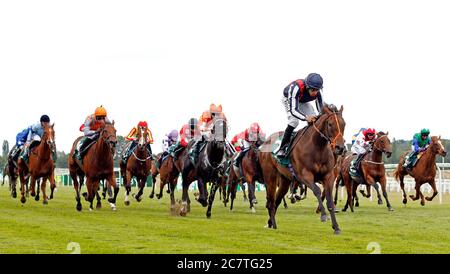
[341,109]
[53,125]
[113,122]
[219,108]
[387,132]
[439,138]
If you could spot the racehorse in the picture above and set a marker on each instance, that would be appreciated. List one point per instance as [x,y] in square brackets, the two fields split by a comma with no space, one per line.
[138,165]
[372,171]
[423,172]
[97,165]
[312,160]
[208,167]
[41,165]
[154,171]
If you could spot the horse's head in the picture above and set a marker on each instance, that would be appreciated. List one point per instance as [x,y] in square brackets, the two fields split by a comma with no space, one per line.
[331,127]
[143,135]
[437,146]
[383,144]
[219,129]
[49,137]
[108,134]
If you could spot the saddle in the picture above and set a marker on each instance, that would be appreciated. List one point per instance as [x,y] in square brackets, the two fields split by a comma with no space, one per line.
[276,146]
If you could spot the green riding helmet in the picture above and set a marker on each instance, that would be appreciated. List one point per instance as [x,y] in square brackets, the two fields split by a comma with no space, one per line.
[425,131]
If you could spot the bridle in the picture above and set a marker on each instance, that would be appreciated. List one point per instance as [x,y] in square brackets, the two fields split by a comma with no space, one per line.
[333,141]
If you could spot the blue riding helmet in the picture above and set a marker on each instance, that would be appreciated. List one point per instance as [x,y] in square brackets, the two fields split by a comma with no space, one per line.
[314,81]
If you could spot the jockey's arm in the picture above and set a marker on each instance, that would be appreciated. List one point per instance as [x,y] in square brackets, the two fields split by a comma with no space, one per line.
[294,102]
[416,145]
[319,103]
[87,127]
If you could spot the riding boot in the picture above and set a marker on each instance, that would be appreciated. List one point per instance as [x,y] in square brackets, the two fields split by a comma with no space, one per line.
[237,160]
[176,151]
[130,149]
[285,141]
[82,149]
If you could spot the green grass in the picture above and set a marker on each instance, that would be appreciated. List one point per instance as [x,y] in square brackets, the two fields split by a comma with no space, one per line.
[147,227]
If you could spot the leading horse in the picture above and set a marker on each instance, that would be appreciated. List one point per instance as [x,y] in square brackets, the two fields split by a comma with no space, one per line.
[312,160]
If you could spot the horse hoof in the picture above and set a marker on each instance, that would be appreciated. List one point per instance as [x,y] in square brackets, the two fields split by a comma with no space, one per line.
[357,205]
[405,201]
[23,200]
[99,206]
[14,195]
[337,231]
[113,207]
[253,210]
[151,196]
[323,218]
[45,202]
[159,197]
[111,200]
[255,201]
[293,201]
[183,213]
[336,210]
[32,194]
[422,203]
[208,215]
[79,207]
[245,200]
[36,198]
[380,202]
[127,203]
[391,209]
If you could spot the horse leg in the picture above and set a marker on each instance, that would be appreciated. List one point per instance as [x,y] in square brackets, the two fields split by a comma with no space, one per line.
[172,187]
[328,189]
[251,196]
[402,186]
[271,187]
[417,187]
[90,192]
[141,185]
[152,194]
[22,189]
[161,188]
[283,188]
[422,197]
[435,192]
[375,185]
[211,198]
[185,196]
[38,183]
[244,191]
[111,182]
[383,189]
[202,188]
[52,185]
[43,189]
[127,185]
[349,187]
[317,192]
[284,203]
[99,200]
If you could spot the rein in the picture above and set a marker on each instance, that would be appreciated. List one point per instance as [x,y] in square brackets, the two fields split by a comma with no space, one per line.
[334,141]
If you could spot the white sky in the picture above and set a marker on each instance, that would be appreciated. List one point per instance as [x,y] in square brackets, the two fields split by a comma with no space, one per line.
[387,62]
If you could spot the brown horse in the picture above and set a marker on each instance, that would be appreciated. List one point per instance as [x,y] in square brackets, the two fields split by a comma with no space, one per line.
[312,160]
[98,164]
[41,165]
[372,170]
[138,165]
[423,172]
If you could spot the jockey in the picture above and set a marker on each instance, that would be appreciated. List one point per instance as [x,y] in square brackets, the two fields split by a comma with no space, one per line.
[91,129]
[253,134]
[205,126]
[362,145]
[188,132]
[25,138]
[169,141]
[420,143]
[296,100]
[238,140]
[134,139]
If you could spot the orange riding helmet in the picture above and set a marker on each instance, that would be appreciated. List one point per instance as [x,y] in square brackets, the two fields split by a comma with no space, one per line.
[100,111]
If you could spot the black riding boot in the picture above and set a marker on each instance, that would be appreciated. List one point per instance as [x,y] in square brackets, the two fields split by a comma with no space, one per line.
[82,150]
[149,148]
[285,141]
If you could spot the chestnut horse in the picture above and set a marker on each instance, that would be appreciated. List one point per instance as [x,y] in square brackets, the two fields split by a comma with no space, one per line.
[372,170]
[138,165]
[41,165]
[207,168]
[98,164]
[312,160]
[423,172]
